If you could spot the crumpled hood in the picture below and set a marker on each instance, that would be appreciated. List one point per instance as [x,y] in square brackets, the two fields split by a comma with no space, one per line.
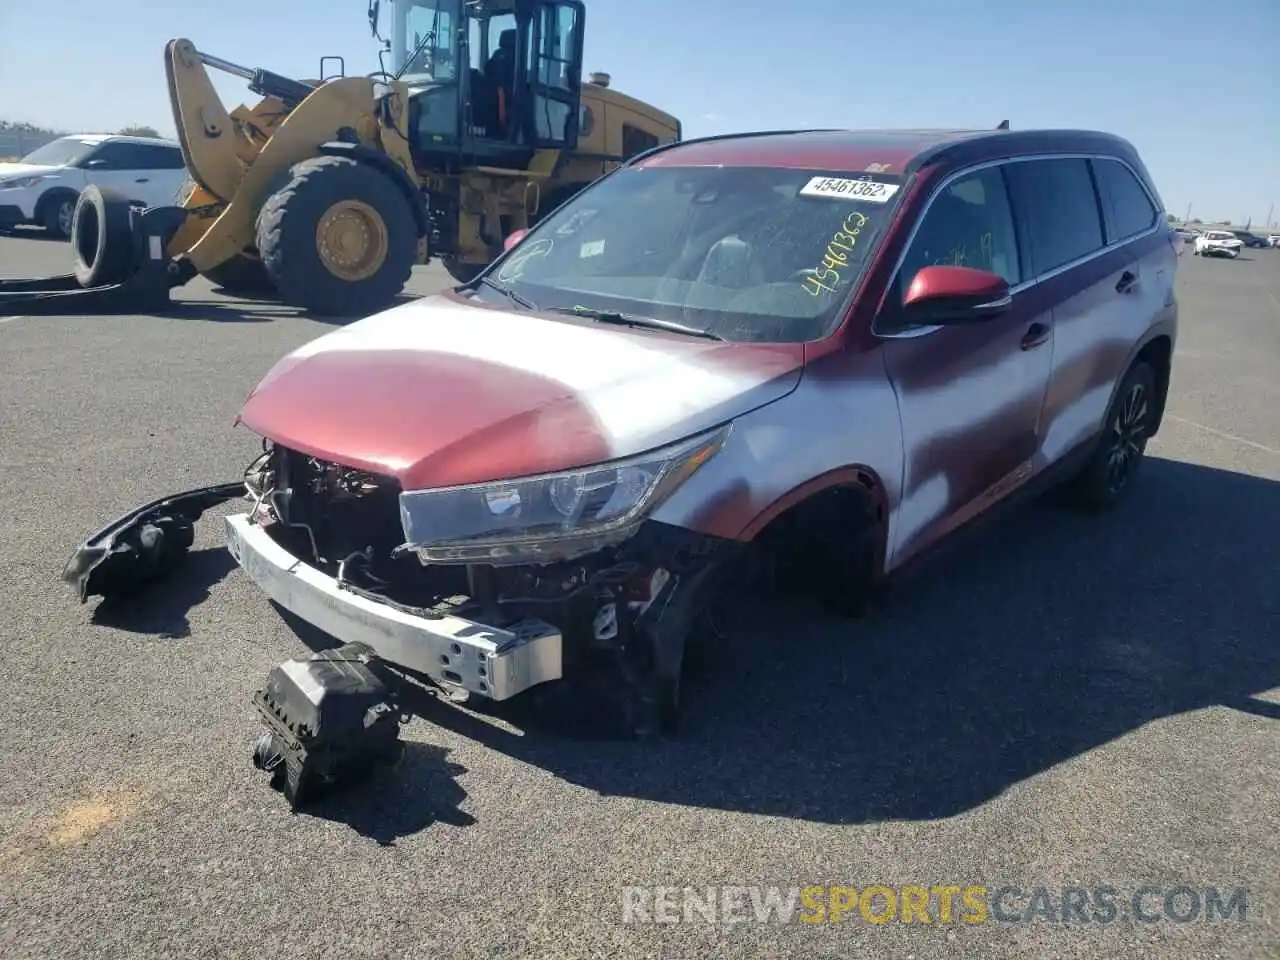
[8,170]
[438,393]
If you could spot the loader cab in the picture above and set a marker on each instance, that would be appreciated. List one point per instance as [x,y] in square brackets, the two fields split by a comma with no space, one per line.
[491,81]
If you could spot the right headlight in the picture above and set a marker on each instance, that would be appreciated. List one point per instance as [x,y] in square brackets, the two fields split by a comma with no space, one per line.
[550,517]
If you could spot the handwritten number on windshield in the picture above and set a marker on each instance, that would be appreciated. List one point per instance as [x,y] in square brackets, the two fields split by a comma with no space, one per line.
[835,258]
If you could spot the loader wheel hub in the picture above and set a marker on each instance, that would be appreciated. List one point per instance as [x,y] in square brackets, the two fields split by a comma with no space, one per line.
[352,240]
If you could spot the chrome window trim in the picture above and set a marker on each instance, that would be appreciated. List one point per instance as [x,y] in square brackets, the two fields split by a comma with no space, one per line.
[1047,275]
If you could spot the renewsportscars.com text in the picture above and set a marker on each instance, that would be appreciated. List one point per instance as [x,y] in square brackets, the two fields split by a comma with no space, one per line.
[934,904]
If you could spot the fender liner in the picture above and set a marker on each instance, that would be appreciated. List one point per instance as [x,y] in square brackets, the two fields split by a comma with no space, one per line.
[379,160]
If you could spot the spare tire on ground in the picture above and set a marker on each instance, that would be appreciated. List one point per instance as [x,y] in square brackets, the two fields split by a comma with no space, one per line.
[339,238]
[102,237]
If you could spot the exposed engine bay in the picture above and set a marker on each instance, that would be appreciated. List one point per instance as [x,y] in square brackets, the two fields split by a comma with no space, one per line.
[622,613]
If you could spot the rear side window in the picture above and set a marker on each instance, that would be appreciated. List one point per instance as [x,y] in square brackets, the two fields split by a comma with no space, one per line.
[1129,211]
[1056,201]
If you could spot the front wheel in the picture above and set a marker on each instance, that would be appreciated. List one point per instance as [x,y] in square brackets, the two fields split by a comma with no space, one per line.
[338,239]
[57,216]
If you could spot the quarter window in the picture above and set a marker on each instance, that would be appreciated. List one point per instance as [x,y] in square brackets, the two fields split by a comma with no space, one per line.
[1128,209]
[1059,208]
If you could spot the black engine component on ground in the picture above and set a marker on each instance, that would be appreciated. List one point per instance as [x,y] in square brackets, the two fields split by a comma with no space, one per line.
[332,718]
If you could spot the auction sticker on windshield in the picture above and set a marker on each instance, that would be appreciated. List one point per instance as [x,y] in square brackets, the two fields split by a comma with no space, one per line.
[871,191]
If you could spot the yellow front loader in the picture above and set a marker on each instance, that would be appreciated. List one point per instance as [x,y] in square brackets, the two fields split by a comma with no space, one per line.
[326,193]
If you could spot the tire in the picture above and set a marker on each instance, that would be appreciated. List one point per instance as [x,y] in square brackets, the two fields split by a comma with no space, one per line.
[102,237]
[292,218]
[1122,445]
[462,272]
[56,214]
[241,275]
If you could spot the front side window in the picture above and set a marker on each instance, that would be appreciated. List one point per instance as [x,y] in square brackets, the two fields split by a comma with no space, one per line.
[117,155]
[752,254]
[968,224]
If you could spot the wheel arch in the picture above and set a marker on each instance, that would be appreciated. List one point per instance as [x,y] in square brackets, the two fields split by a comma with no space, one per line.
[1156,350]
[855,491]
[50,196]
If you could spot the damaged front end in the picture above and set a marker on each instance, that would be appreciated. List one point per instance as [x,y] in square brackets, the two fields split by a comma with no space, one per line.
[491,590]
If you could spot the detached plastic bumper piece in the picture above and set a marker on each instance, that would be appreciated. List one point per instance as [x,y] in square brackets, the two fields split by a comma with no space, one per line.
[332,722]
[143,545]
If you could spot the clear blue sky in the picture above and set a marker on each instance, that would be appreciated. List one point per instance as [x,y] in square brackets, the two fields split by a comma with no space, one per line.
[1196,86]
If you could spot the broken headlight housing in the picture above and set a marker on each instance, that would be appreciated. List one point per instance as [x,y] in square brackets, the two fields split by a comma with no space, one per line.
[552,517]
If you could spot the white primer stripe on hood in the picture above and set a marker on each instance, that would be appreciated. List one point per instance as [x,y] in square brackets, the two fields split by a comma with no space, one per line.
[634,389]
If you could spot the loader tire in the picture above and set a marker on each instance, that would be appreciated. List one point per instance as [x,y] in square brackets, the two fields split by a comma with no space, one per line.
[338,239]
[102,237]
[462,272]
[241,275]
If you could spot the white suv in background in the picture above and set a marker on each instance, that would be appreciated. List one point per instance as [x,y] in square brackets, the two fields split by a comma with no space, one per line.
[42,187]
[1217,243]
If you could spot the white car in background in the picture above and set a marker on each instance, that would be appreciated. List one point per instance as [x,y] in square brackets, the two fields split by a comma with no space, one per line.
[42,187]
[1273,240]
[1217,243]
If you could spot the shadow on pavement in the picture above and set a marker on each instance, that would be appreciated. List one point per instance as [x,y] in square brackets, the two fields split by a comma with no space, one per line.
[421,790]
[30,233]
[240,309]
[161,608]
[1048,635]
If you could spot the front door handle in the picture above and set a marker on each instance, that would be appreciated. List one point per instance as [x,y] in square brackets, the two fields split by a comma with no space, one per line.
[143,180]
[1127,282]
[1037,335]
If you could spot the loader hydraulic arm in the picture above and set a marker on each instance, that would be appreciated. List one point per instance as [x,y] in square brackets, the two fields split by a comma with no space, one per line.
[262,82]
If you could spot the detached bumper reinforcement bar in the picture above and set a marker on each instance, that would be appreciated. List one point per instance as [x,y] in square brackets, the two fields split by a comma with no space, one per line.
[486,661]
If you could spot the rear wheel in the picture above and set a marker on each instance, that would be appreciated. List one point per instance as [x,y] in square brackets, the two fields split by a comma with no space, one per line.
[338,238]
[1109,474]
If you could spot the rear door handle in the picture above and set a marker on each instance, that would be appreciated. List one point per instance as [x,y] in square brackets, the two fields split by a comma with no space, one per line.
[1037,334]
[1127,282]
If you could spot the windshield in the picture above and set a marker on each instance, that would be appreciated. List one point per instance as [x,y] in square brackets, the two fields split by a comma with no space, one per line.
[59,153]
[431,25]
[750,254]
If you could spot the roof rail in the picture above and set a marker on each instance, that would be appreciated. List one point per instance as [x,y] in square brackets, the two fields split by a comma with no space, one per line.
[660,148]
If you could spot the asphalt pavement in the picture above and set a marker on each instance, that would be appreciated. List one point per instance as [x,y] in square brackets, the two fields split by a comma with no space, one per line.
[1066,702]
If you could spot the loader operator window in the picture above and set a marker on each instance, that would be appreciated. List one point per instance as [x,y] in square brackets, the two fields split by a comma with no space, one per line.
[429,25]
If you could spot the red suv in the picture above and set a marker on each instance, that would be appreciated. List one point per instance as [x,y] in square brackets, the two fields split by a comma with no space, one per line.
[841,345]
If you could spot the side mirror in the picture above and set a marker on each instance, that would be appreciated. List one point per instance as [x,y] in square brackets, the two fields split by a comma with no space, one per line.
[95,164]
[513,239]
[947,295]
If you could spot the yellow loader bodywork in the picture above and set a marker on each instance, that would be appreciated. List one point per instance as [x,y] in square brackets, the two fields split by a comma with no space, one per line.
[241,160]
